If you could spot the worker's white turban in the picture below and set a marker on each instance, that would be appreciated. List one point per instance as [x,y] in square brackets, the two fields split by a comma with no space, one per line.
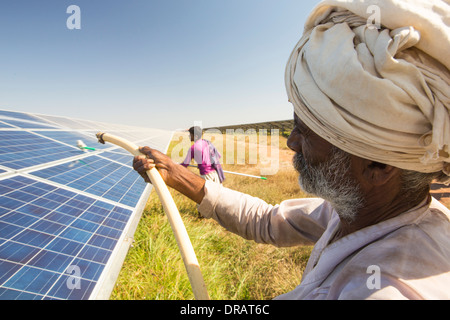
[379,93]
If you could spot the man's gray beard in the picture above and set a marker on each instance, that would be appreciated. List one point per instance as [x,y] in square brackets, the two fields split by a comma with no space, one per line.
[327,180]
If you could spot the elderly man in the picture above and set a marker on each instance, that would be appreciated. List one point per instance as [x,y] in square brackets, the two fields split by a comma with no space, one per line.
[372,130]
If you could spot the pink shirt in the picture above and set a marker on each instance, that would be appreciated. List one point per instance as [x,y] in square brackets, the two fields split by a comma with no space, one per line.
[200,152]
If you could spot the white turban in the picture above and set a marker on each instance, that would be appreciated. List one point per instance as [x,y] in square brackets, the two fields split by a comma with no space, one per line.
[379,93]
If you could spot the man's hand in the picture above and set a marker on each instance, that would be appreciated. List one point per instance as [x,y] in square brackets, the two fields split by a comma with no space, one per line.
[173,174]
[153,158]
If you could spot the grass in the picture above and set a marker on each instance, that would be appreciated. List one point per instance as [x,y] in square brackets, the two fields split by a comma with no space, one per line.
[233,268]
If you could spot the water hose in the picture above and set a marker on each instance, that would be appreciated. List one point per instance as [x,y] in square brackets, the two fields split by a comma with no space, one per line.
[184,244]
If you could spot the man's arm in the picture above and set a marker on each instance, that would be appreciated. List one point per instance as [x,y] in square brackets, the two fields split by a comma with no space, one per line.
[174,175]
[291,223]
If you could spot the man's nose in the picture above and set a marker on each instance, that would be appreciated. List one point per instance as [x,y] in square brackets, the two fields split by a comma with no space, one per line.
[294,142]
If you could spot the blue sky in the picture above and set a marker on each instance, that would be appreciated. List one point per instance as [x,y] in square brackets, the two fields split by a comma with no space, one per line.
[159,64]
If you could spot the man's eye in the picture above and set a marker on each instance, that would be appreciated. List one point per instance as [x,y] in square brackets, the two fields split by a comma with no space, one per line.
[302,131]
[299,130]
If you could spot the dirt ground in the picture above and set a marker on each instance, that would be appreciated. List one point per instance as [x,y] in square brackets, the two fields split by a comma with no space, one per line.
[441,193]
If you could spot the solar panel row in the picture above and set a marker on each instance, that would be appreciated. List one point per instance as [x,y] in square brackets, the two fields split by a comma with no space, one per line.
[65,212]
[45,230]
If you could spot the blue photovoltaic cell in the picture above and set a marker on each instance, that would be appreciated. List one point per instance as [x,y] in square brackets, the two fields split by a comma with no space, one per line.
[5,125]
[126,159]
[99,177]
[20,149]
[47,232]
[63,210]
[27,125]
[18,115]
[65,123]
[71,138]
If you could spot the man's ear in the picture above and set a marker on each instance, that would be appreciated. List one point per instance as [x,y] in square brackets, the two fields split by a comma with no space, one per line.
[378,174]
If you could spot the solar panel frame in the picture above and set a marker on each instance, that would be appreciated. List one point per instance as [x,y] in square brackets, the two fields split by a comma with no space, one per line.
[44,220]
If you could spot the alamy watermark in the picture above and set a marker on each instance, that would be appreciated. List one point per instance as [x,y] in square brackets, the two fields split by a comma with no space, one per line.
[374,20]
[74,280]
[373,282]
[236,146]
[74,20]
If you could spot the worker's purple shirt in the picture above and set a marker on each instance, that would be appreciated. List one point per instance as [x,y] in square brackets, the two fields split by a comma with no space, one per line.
[200,152]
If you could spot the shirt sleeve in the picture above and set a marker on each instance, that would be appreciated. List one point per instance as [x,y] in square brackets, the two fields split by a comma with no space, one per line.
[293,222]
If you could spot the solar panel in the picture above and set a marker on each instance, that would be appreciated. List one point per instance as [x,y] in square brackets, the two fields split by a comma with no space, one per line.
[67,215]
[22,149]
